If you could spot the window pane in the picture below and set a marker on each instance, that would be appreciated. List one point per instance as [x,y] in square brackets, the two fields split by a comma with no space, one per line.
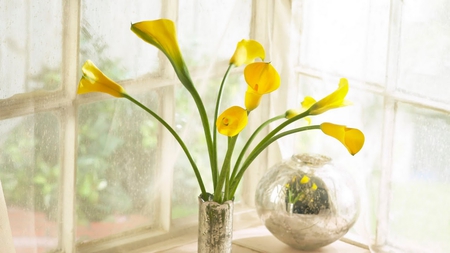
[30,46]
[116,166]
[29,171]
[346,37]
[425,49]
[107,40]
[212,33]
[419,217]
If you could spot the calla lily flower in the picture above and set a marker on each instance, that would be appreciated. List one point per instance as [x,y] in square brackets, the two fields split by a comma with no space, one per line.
[332,101]
[232,121]
[93,80]
[262,78]
[246,52]
[352,138]
[252,99]
[161,33]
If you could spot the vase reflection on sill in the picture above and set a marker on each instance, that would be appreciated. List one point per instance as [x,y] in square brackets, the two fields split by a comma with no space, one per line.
[307,202]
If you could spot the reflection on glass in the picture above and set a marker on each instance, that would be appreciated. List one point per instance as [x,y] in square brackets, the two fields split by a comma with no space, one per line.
[107,40]
[29,172]
[30,46]
[116,163]
[425,49]
[419,217]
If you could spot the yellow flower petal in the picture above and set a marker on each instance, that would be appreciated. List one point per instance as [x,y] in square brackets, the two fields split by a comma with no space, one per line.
[352,138]
[232,121]
[252,99]
[161,33]
[93,80]
[332,101]
[262,77]
[308,102]
[246,52]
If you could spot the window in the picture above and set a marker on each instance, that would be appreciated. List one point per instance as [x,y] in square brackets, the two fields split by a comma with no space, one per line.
[90,173]
[395,55]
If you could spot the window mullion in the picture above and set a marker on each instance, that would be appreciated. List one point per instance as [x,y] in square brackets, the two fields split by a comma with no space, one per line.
[388,124]
[165,170]
[68,124]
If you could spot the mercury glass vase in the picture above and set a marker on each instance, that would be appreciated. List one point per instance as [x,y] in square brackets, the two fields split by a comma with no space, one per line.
[307,202]
[215,226]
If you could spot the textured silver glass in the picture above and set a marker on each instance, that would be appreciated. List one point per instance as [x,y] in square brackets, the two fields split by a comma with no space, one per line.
[215,226]
[307,202]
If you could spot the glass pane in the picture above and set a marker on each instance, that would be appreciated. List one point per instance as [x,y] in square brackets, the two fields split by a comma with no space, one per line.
[184,200]
[425,49]
[116,166]
[29,171]
[346,37]
[212,33]
[107,40]
[30,46]
[365,114]
[419,218]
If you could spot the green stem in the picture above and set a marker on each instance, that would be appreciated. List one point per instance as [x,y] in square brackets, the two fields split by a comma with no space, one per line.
[250,140]
[225,173]
[259,148]
[176,136]
[205,124]
[214,172]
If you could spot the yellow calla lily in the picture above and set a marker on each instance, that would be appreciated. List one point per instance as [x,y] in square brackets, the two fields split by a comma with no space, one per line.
[161,33]
[332,101]
[93,80]
[232,121]
[252,99]
[262,77]
[246,52]
[352,138]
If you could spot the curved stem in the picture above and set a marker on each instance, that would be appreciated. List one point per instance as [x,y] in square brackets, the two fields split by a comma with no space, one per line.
[205,124]
[249,141]
[258,149]
[214,171]
[176,136]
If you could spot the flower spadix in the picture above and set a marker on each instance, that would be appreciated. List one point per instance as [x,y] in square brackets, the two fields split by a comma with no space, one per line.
[332,101]
[232,121]
[246,52]
[93,80]
[161,33]
[262,78]
[352,138]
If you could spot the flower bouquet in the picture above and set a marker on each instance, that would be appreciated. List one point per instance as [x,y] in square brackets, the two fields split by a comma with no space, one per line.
[261,77]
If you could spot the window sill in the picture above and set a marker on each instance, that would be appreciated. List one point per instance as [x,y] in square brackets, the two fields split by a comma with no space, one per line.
[249,237]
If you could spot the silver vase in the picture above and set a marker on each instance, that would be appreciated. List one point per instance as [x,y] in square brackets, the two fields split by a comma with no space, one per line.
[215,226]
